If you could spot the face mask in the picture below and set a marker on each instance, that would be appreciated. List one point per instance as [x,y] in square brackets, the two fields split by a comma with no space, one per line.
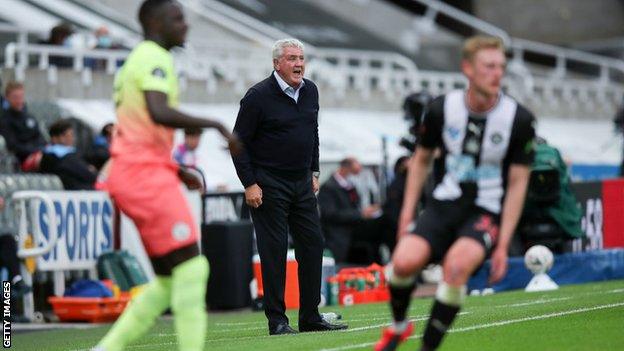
[67,42]
[352,178]
[104,42]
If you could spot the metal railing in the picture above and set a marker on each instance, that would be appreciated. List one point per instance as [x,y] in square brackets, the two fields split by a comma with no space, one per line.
[235,21]
[434,7]
[564,56]
[344,72]
[520,46]
[20,200]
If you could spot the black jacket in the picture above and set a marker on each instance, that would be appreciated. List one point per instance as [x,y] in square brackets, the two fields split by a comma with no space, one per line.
[340,212]
[394,201]
[21,133]
[70,167]
[278,133]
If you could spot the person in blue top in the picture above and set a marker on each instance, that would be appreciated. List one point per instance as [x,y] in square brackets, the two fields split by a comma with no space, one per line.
[60,158]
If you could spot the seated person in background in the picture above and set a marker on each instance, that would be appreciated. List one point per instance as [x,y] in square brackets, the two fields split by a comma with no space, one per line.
[19,129]
[344,221]
[100,153]
[184,154]
[59,36]
[103,40]
[60,158]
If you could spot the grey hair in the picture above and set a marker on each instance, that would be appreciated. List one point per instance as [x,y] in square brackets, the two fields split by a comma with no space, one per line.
[278,47]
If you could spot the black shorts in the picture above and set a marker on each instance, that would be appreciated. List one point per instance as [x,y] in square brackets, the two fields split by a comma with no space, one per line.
[443,222]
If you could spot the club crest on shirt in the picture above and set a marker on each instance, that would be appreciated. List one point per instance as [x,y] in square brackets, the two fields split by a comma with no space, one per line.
[181,231]
[496,138]
[30,123]
[158,72]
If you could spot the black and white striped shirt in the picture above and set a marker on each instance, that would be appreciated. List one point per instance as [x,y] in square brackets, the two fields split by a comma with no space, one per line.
[476,149]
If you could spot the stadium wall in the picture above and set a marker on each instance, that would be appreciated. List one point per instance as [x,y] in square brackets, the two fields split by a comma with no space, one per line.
[599,256]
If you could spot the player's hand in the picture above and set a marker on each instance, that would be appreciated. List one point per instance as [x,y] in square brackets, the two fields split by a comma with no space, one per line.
[371,211]
[499,265]
[315,184]
[189,179]
[253,196]
[234,144]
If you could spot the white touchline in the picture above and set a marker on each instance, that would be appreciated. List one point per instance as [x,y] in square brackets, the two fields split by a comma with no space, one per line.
[418,318]
[232,324]
[366,327]
[543,316]
[536,302]
[382,316]
[217,331]
[351,330]
[495,324]
[542,299]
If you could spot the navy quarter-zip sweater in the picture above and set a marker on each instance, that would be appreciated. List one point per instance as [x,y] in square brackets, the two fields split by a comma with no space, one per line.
[279,134]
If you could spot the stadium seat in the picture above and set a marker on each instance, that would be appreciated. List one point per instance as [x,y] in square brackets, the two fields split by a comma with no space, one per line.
[11,183]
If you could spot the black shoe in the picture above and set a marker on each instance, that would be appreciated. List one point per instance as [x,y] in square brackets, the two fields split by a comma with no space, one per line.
[282,328]
[320,326]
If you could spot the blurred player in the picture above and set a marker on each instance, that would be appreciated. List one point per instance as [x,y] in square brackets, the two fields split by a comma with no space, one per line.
[486,144]
[144,182]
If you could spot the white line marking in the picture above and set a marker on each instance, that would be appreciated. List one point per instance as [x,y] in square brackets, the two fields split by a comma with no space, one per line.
[496,324]
[542,299]
[381,316]
[387,316]
[347,320]
[232,324]
[536,302]
[375,326]
[418,318]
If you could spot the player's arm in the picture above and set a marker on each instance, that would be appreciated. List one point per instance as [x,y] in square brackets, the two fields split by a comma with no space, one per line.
[429,138]
[192,181]
[417,171]
[517,183]
[521,153]
[518,180]
[161,113]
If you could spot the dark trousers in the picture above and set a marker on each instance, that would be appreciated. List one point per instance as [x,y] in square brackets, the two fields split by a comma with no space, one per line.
[8,255]
[366,238]
[288,206]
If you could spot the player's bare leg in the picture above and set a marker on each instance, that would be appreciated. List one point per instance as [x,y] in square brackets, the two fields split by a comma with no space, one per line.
[139,316]
[464,256]
[410,256]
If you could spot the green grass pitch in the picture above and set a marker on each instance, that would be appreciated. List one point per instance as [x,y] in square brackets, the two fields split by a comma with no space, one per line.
[579,317]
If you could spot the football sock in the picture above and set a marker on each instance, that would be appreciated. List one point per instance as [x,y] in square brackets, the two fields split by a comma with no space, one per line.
[188,303]
[139,316]
[446,306]
[400,296]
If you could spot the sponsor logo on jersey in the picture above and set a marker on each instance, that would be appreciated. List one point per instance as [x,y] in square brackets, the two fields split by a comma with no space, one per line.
[181,231]
[158,72]
[452,132]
